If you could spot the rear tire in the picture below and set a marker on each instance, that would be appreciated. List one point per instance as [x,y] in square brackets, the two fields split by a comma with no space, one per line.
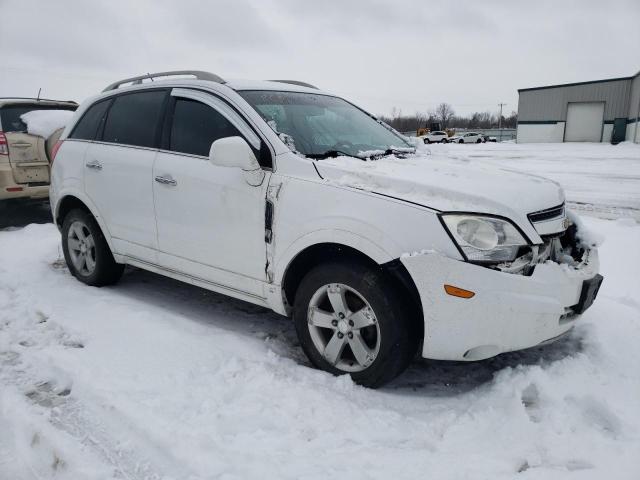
[86,250]
[375,344]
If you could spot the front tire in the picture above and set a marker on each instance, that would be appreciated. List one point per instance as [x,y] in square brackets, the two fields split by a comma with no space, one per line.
[86,250]
[351,319]
[426,140]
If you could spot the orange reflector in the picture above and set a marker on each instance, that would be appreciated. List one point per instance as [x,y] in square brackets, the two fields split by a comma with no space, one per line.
[458,292]
[13,189]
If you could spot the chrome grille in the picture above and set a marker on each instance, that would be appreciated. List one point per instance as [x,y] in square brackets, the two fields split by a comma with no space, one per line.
[547,214]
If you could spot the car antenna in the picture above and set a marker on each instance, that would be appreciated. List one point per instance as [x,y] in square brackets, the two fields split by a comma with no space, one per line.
[39,90]
[150,76]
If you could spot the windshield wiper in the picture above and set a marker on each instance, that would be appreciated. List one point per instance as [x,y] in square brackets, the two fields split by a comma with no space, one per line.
[330,154]
[362,155]
[401,152]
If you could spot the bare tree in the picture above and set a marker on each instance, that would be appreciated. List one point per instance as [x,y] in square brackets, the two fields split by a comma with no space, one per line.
[475,120]
[444,112]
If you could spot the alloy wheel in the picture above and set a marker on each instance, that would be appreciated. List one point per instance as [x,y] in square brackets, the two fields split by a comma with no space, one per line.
[343,327]
[82,248]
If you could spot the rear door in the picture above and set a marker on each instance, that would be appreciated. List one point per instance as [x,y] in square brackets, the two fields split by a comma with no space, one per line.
[118,170]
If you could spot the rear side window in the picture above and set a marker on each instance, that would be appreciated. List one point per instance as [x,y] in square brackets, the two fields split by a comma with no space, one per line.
[133,119]
[196,126]
[87,127]
[10,115]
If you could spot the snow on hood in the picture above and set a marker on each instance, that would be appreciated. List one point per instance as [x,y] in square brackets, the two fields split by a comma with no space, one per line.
[44,122]
[446,184]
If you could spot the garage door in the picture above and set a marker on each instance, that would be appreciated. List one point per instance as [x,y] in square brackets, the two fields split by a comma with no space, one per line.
[584,122]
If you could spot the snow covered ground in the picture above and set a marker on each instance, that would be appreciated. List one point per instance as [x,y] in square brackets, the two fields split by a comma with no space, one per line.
[156,379]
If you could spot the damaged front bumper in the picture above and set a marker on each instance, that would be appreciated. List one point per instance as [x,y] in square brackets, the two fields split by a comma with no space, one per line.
[509,311]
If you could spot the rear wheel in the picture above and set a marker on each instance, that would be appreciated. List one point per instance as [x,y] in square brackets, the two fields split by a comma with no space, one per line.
[86,250]
[350,319]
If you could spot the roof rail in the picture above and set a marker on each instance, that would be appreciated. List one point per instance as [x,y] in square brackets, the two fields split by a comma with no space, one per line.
[200,75]
[296,82]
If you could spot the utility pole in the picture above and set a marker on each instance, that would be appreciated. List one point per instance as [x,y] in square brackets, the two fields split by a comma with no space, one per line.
[500,119]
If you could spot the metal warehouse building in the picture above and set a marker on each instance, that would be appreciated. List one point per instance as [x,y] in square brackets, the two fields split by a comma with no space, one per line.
[596,111]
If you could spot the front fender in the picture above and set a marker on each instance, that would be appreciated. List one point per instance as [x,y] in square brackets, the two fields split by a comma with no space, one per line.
[330,235]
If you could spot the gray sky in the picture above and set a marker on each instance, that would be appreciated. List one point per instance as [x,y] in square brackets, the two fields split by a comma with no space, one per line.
[380,54]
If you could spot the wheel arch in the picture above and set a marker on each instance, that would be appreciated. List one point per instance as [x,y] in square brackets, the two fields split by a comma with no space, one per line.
[71,201]
[318,253]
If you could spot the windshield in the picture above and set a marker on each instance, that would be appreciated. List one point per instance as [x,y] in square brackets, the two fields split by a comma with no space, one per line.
[319,125]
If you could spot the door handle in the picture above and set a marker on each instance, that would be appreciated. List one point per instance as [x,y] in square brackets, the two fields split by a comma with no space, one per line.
[94,164]
[166,180]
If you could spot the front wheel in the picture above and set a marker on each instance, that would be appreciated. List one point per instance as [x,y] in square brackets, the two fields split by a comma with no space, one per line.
[426,140]
[351,320]
[86,250]
[461,141]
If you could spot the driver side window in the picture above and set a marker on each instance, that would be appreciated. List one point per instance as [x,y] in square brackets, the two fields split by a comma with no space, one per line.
[195,126]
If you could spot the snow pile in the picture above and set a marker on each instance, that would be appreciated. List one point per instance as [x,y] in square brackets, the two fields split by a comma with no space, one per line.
[44,122]
[586,237]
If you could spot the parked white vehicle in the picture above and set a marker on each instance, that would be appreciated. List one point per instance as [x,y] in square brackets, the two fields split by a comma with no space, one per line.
[435,137]
[470,137]
[294,199]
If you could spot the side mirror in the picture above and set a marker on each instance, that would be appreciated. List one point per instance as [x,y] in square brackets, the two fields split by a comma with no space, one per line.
[233,152]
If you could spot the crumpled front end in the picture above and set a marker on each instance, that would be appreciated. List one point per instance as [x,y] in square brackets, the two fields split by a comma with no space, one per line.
[536,298]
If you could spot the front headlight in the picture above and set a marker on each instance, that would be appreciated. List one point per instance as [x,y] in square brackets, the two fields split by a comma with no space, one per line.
[484,239]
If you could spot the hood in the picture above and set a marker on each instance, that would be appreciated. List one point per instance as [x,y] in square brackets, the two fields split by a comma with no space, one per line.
[447,184]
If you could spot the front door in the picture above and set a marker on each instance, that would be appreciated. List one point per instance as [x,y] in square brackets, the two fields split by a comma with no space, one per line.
[210,220]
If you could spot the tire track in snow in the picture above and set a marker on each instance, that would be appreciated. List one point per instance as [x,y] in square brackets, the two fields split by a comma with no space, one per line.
[132,456]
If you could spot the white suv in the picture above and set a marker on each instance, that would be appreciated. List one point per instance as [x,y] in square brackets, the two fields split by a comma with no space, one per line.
[435,137]
[470,137]
[291,198]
